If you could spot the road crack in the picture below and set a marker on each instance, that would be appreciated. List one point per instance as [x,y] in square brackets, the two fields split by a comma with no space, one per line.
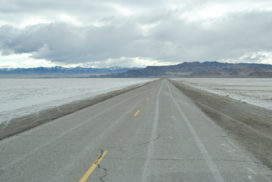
[101,178]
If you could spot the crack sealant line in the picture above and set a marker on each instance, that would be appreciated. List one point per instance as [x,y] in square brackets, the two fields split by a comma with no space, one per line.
[147,164]
[212,166]
[63,134]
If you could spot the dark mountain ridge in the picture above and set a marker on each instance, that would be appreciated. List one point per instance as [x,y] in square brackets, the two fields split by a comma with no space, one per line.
[205,69]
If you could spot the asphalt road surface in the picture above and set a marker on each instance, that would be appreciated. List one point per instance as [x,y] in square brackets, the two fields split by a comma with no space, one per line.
[153,133]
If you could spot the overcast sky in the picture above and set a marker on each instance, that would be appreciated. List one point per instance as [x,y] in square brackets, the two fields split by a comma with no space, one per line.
[133,33]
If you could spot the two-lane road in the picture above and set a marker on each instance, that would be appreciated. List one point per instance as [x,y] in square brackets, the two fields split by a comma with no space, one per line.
[153,133]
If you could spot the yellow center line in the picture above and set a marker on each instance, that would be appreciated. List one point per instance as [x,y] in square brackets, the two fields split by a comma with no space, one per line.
[147,99]
[92,168]
[136,113]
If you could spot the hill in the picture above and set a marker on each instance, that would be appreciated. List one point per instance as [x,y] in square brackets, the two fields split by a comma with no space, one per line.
[205,69]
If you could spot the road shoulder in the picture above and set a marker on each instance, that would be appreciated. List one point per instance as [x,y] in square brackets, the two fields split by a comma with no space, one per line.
[250,125]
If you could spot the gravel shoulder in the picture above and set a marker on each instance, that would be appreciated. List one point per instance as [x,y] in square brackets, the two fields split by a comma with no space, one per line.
[250,125]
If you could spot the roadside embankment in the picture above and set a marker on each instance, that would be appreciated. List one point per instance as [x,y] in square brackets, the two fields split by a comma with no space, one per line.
[250,125]
[21,124]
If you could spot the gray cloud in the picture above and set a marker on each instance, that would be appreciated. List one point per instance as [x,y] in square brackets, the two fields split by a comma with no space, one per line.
[156,32]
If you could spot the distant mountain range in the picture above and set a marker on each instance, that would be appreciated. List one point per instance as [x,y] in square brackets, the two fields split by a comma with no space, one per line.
[61,72]
[186,69]
[205,69]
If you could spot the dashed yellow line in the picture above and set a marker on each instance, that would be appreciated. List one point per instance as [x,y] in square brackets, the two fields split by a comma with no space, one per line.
[147,99]
[136,113]
[92,168]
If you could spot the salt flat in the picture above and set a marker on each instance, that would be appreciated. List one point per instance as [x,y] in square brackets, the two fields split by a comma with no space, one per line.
[256,91]
[21,97]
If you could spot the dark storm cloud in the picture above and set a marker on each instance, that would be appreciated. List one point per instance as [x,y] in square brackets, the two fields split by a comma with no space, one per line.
[155,32]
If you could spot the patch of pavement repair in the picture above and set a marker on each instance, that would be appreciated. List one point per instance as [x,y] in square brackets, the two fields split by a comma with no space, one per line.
[250,125]
[21,124]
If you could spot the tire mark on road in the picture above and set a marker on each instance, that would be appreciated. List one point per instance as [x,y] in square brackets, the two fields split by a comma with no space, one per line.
[215,171]
[147,164]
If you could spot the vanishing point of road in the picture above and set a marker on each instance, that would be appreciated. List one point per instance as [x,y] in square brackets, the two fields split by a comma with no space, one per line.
[153,133]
